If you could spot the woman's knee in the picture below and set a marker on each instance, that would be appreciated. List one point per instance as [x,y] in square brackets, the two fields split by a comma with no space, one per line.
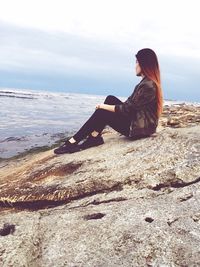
[109,99]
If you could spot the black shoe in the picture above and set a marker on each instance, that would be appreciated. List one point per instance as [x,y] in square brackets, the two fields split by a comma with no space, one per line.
[92,141]
[67,148]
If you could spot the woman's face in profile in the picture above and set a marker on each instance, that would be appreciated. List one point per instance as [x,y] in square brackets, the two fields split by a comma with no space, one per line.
[138,69]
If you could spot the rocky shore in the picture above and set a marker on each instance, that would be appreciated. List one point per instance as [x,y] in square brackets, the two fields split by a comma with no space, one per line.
[124,203]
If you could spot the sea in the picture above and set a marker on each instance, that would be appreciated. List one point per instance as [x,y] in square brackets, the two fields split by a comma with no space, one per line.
[32,119]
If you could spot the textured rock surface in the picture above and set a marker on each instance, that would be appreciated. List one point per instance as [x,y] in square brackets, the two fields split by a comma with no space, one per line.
[125,203]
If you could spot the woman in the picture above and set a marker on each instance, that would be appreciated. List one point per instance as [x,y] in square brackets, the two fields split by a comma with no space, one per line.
[136,118]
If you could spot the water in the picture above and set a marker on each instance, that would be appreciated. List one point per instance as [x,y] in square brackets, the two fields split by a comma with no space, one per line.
[30,119]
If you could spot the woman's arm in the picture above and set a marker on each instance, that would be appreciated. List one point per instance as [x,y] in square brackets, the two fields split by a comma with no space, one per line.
[106,107]
[144,96]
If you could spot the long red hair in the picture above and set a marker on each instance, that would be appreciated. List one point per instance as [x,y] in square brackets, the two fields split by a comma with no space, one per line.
[150,68]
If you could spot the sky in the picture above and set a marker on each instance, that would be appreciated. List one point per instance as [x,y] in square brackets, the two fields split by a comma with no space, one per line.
[89,46]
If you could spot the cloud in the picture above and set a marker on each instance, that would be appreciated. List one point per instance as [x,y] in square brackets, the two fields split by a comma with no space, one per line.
[35,50]
[54,60]
[168,26]
[37,59]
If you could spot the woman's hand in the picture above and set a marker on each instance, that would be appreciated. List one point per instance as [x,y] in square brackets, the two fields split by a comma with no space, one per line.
[98,106]
[106,107]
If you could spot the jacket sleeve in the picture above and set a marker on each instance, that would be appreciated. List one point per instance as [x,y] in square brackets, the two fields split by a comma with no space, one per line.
[143,97]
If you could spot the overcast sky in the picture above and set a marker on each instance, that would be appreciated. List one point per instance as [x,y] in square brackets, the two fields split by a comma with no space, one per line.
[89,46]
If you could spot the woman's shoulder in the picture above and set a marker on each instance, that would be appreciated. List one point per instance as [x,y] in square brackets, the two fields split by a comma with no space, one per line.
[147,83]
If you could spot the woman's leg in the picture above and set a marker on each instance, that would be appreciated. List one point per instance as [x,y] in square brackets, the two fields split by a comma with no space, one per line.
[110,100]
[100,118]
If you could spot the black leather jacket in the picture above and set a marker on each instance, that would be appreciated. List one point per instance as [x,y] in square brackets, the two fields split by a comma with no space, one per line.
[141,108]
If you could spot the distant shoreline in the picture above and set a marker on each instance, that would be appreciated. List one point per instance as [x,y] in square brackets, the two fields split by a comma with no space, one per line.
[32,92]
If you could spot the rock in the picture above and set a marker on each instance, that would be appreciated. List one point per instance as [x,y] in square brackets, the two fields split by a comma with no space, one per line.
[124,203]
[7,229]
[179,116]
[173,122]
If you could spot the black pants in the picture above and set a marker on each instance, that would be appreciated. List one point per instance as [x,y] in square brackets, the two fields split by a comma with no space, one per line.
[101,117]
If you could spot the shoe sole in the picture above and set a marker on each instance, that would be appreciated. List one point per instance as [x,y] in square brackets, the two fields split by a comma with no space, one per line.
[90,146]
[66,152]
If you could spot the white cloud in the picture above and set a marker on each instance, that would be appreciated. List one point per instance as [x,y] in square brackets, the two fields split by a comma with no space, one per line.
[99,38]
[26,50]
[168,26]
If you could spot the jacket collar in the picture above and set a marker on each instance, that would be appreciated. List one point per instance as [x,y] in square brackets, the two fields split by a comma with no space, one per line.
[143,79]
